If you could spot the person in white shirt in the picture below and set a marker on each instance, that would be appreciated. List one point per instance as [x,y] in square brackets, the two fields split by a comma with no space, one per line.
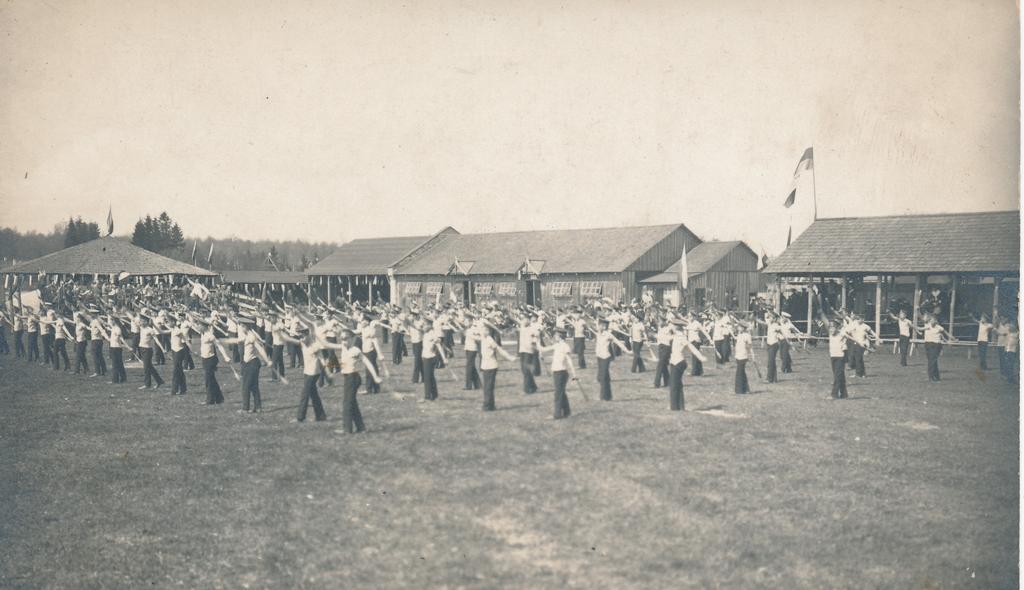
[433,350]
[527,346]
[837,338]
[694,331]
[81,343]
[371,350]
[677,363]
[489,351]
[350,356]
[984,333]
[744,352]
[934,336]
[252,354]
[147,341]
[579,339]
[906,330]
[1002,332]
[772,338]
[96,344]
[46,334]
[664,340]
[178,335]
[637,337]
[1011,353]
[32,329]
[18,329]
[415,331]
[603,344]
[59,337]
[860,341]
[721,334]
[471,339]
[208,357]
[116,344]
[561,371]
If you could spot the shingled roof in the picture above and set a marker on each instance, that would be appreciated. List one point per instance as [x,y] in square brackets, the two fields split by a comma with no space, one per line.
[555,251]
[263,276]
[371,256]
[107,255]
[698,261]
[944,243]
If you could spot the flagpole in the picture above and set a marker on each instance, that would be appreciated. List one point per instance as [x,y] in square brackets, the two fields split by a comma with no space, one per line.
[814,184]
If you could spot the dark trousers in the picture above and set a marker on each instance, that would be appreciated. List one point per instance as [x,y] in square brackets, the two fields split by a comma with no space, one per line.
[1011,362]
[371,385]
[47,348]
[351,417]
[579,346]
[19,343]
[213,393]
[97,357]
[60,351]
[188,363]
[724,348]
[858,360]
[773,351]
[904,347]
[535,360]
[81,362]
[526,366]
[158,353]
[294,356]
[417,362]
[310,394]
[33,346]
[698,366]
[278,359]
[472,377]
[787,359]
[983,355]
[932,350]
[838,377]
[117,366]
[675,390]
[561,399]
[429,381]
[489,376]
[742,385]
[236,353]
[638,359]
[178,384]
[251,385]
[661,372]
[397,348]
[149,373]
[604,378]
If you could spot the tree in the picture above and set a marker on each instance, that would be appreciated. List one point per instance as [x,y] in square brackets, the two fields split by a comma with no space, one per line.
[161,235]
[78,231]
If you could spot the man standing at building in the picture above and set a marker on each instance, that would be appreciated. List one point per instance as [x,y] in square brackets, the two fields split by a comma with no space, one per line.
[472,338]
[906,329]
[637,337]
[984,332]
[579,339]
[664,340]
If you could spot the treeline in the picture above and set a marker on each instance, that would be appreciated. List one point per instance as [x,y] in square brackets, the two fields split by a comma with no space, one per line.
[160,234]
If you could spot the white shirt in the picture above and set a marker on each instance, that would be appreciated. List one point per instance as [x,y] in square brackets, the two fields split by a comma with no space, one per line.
[693,331]
[207,344]
[1012,340]
[905,326]
[58,329]
[311,358]
[95,329]
[933,334]
[146,335]
[983,330]
[114,337]
[721,328]
[368,333]
[679,343]
[349,360]
[579,328]
[250,344]
[527,339]
[488,353]
[473,337]
[742,349]
[430,341]
[636,332]
[179,335]
[603,344]
[80,330]
[560,352]
[665,336]
[774,333]
[837,345]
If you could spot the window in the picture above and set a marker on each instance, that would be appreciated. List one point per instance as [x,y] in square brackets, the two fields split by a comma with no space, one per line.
[590,288]
[561,289]
[483,288]
[412,288]
[434,288]
[508,289]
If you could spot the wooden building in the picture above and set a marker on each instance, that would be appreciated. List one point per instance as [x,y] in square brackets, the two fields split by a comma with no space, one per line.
[362,270]
[956,265]
[551,268]
[723,273]
[106,259]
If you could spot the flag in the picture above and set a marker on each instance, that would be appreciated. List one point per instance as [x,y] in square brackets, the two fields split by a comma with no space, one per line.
[110,220]
[195,245]
[209,258]
[806,163]
[789,236]
[684,273]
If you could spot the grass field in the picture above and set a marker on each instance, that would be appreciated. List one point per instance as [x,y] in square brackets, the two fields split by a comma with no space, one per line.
[906,485]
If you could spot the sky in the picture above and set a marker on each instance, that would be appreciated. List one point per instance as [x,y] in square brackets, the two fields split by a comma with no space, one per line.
[331,121]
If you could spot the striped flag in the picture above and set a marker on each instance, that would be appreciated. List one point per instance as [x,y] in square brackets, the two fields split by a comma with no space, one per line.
[806,163]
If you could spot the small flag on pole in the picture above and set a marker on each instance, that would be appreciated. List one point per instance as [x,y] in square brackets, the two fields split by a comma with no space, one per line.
[195,245]
[684,273]
[209,258]
[110,220]
[806,163]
